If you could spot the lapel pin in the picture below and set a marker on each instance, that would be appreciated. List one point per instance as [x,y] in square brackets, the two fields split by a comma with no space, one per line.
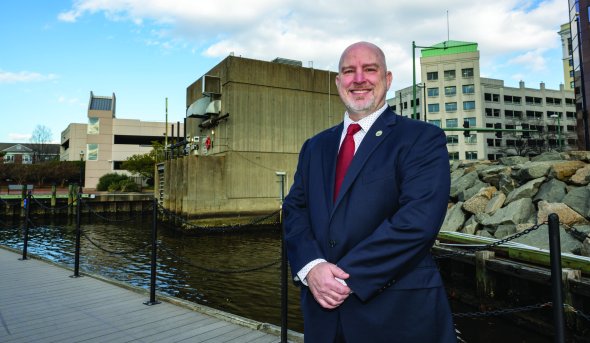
[378,133]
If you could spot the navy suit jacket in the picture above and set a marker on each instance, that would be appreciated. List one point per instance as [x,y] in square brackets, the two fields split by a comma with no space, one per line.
[380,230]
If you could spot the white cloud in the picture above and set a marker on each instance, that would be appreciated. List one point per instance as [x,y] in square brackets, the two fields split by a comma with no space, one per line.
[319,30]
[24,76]
[19,137]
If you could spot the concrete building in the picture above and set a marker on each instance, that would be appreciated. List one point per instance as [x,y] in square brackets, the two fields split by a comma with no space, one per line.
[105,141]
[566,53]
[580,39]
[453,92]
[246,120]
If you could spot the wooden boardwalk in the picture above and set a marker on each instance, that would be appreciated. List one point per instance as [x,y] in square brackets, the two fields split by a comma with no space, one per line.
[39,302]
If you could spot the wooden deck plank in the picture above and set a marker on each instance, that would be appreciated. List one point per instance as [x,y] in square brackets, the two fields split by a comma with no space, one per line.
[40,302]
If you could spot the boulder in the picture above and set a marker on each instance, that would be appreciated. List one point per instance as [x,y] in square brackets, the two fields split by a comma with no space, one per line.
[472,191]
[578,155]
[507,184]
[531,170]
[471,226]
[547,156]
[505,230]
[566,214]
[513,160]
[454,218]
[517,212]
[462,183]
[579,200]
[528,190]
[492,174]
[477,203]
[495,203]
[564,170]
[585,249]
[581,177]
[551,191]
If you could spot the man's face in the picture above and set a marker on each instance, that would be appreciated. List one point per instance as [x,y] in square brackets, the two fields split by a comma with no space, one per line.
[362,80]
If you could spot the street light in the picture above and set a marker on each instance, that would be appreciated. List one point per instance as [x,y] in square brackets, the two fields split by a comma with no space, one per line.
[81,168]
[423,86]
[559,143]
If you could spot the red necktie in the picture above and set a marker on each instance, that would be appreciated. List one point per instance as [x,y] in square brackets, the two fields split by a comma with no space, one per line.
[345,156]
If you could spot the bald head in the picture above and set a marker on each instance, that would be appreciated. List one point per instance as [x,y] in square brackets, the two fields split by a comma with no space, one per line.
[377,50]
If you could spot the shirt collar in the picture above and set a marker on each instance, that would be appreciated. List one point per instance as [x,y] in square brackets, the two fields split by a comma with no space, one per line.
[367,121]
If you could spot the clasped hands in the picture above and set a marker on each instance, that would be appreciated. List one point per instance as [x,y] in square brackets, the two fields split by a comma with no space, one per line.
[326,289]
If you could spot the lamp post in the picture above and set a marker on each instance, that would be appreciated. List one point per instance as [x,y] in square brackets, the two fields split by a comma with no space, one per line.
[559,143]
[423,86]
[81,169]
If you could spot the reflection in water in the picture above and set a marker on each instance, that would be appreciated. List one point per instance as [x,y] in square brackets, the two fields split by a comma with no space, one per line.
[184,273]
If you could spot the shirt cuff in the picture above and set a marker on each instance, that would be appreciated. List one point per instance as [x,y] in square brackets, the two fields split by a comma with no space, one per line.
[302,274]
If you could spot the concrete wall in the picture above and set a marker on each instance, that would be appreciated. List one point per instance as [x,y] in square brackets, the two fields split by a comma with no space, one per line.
[273,108]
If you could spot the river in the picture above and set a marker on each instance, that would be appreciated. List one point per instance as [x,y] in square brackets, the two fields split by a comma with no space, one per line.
[197,268]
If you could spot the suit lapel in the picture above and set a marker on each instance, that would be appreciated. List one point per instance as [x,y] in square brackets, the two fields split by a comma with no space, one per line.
[378,132]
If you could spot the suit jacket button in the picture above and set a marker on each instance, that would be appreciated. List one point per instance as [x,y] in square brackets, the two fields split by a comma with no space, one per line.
[332,243]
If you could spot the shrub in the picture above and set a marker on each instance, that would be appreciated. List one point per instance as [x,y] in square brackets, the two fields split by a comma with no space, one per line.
[105,181]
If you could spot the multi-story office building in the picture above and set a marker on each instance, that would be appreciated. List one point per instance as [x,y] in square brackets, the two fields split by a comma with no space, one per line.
[580,39]
[105,141]
[454,95]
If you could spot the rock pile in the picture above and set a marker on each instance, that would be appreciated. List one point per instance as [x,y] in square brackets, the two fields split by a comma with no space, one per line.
[498,199]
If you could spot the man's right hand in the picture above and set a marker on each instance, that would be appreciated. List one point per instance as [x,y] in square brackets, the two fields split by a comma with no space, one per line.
[326,290]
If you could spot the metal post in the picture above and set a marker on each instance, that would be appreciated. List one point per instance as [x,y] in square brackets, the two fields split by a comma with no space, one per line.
[27,205]
[78,233]
[284,265]
[413,79]
[152,300]
[556,284]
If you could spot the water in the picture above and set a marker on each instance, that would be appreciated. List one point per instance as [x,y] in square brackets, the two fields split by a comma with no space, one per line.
[192,268]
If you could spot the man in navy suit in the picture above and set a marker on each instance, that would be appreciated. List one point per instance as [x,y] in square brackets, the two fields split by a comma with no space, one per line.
[359,240]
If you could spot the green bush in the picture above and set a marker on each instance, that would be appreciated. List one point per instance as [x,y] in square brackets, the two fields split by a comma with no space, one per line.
[105,181]
[128,185]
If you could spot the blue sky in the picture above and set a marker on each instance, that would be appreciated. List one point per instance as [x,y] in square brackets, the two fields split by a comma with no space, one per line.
[54,53]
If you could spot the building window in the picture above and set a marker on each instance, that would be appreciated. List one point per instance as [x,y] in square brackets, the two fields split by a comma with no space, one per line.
[450,91]
[449,74]
[468,89]
[435,122]
[93,126]
[454,156]
[472,139]
[471,120]
[453,139]
[451,106]
[433,91]
[467,72]
[471,155]
[432,76]
[92,152]
[468,105]
[433,108]
[451,123]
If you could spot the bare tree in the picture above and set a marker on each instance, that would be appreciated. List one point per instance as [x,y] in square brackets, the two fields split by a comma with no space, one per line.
[40,139]
[527,143]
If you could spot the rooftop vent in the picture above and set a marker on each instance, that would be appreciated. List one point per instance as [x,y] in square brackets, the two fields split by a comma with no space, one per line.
[287,61]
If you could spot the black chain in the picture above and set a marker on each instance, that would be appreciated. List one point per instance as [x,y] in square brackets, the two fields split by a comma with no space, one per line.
[220,271]
[494,244]
[577,312]
[128,252]
[40,204]
[577,234]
